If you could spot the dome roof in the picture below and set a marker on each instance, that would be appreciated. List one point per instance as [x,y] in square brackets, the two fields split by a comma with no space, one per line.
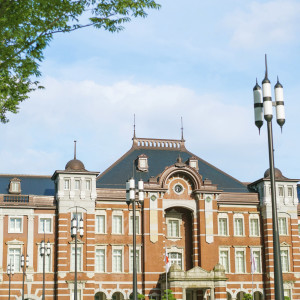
[277,174]
[75,165]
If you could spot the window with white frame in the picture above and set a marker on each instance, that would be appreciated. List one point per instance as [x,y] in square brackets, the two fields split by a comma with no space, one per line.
[280,191]
[138,260]
[223,224]
[15,225]
[284,255]
[88,184]
[14,258]
[290,191]
[175,258]
[256,260]
[100,223]
[100,263]
[117,223]
[79,293]
[77,184]
[79,258]
[238,225]
[287,293]
[15,186]
[117,260]
[224,258]
[282,225]
[254,225]
[45,224]
[137,224]
[47,260]
[173,226]
[240,261]
[66,184]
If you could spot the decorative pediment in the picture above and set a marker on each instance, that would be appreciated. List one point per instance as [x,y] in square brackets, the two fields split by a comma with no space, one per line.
[14,242]
[196,272]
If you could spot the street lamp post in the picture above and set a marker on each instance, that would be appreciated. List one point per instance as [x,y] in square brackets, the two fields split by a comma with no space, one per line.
[260,108]
[75,227]
[24,267]
[130,199]
[10,272]
[45,250]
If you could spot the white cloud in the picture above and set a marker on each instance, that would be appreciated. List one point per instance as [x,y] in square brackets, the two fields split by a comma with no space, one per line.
[261,24]
[100,117]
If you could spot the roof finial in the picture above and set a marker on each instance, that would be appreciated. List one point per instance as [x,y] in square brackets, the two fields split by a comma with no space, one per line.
[266,75]
[134,126]
[181,130]
[75,149]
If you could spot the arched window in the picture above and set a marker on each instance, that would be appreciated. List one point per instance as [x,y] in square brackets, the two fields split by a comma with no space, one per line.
[117,296]
[100,296]
[258,296]
[240,295]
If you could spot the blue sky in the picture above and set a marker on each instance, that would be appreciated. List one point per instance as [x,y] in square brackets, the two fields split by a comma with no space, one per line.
[195,59]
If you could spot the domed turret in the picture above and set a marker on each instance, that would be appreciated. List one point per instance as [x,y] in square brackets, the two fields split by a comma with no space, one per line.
[277,174]
[75,165]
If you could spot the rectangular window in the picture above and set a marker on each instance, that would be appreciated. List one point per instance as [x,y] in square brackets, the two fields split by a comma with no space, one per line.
[45,225]
[137,224]
[256,261]
[223,226]
[67,184]
[284,255]
[117,261]
[88,184]
[15,224]
[100,224]
[299,229]
[138,268]
[117,224]
[14,258]
[47,261]
[224,259]
[290,191]
[173,228]
[254,227]
[175,258]
[240,261]
[238,226]
[79,261]
[280,191]
[100,260]
[77,184]
[282,228]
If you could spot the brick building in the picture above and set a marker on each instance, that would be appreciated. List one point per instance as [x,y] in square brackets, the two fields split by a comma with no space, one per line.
[208,222]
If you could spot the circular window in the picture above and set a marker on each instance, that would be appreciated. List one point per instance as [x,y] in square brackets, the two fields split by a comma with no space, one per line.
[178,188]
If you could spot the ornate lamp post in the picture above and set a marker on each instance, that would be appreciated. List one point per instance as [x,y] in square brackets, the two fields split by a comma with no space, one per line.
[131,199]
[45,250]
[265,108]
[24,267]
[10,272]
[75,227]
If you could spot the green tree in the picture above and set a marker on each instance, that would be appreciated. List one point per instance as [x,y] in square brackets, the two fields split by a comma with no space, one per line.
[247,297]
[28,26]
[170,295]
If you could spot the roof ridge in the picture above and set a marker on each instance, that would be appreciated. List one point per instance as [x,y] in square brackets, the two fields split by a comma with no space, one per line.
[161,144]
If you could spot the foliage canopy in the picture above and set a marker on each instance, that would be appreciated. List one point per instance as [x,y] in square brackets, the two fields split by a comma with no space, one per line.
[28,26]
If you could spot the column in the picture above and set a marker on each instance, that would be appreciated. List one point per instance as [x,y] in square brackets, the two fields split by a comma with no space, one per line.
[1,246]
[30,241]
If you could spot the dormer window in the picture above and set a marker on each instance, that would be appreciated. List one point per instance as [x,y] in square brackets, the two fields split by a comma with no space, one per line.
[143,163]
[15,186]
[193,162]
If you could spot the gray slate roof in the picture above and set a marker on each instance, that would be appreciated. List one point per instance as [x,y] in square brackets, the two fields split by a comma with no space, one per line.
[158,159]
[30,185]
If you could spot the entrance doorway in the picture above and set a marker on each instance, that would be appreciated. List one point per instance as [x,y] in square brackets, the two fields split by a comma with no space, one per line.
[195,294]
